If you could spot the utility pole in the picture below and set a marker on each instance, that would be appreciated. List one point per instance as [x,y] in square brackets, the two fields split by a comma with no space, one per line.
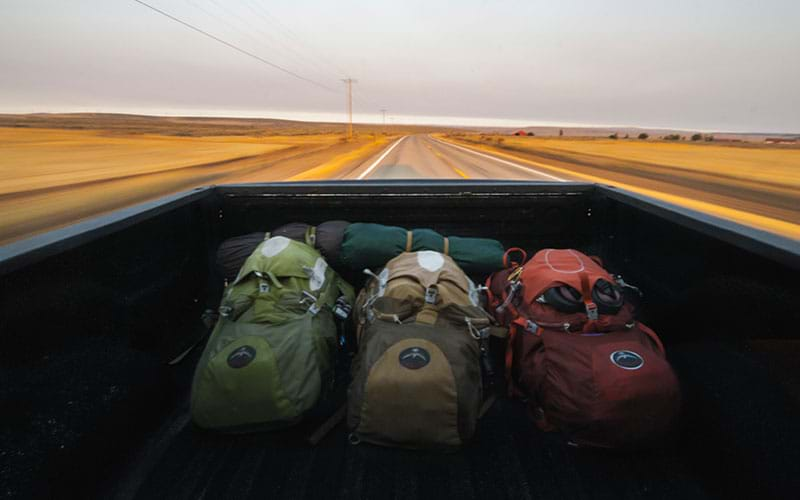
[349,82]
[383,112]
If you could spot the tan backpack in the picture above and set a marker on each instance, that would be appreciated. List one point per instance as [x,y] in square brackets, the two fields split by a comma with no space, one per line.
[417,376]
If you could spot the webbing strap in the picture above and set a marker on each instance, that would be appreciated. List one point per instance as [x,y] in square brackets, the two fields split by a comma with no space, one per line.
[327,426]
[311,236]
[427,315]
[591,307]
[487,403]
[409,240]
[446,246]
[513,389]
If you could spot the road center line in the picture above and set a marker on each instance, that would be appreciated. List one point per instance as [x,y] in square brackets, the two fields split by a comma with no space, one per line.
[380,158]
[447,162]
[505,162]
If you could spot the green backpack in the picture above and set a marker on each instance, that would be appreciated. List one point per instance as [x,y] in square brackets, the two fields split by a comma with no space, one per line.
[270,358]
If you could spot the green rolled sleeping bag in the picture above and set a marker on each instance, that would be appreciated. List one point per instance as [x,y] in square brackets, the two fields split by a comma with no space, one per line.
[373,245]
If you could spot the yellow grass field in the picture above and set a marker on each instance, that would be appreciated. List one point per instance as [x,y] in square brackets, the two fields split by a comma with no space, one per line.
[753,184]
[54,177]
[772,165]
[42,158]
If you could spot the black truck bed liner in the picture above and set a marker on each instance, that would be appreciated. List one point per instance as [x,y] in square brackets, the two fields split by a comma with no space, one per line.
[89,316]
[717,453]
[508,459]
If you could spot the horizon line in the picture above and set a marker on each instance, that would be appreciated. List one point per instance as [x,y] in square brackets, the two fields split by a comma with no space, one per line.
[360,119]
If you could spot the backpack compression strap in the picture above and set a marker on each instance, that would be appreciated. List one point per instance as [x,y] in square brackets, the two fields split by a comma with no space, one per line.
[410,242]
[311,236]
[591,307]
[519,322]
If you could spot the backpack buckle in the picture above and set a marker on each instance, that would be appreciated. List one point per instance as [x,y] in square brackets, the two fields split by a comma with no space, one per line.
[431,294]
[591,311]
[314,308]
[531,327]
[342,309]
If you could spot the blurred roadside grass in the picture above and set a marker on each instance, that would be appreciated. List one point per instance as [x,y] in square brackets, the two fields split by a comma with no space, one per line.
[748,162]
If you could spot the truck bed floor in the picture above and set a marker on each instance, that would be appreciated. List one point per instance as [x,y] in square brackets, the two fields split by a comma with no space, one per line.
[507,459]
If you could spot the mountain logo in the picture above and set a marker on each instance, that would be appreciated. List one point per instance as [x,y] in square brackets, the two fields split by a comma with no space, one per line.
[627,360]
[414,358]
[241,356]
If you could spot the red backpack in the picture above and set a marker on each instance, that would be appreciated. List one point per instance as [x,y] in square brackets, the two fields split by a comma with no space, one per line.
[576,353]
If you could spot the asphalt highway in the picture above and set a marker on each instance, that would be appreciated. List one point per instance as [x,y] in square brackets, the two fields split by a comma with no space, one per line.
[424,157]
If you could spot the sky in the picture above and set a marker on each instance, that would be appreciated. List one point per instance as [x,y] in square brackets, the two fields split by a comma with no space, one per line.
[710,65]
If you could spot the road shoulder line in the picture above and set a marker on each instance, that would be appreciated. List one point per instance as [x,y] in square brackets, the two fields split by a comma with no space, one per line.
[500,160]
[380,159]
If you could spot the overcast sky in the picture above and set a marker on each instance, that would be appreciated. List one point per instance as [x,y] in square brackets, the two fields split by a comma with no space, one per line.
[707,65]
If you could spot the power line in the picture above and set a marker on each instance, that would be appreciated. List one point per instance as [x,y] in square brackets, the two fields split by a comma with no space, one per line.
[234,47]
[272,40]
[286,41]
[321,57]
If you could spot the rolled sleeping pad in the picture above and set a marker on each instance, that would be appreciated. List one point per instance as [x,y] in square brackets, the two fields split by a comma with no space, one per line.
[373,245]
[327,238]
[232,253]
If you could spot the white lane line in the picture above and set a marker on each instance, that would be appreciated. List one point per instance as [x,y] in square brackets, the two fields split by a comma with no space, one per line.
[380,158]
[506,162]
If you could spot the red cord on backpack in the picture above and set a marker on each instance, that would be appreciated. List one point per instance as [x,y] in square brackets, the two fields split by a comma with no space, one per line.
[514,263]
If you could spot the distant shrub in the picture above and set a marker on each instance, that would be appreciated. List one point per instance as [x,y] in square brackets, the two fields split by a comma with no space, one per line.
[672,137]
[627,136]
[560,132]
[643,136]
[697,137]
[709,138]
[613,136]
[500,140]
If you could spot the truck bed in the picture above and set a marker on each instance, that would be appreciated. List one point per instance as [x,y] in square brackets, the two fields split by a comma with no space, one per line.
[94,319]
[508,459]
[708,457]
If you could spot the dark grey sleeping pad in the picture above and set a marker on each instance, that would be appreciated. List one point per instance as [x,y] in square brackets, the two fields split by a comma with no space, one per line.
[327,238]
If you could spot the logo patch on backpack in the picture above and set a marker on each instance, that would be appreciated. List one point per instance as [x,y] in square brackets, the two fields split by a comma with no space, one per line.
[241,356]
[414,358]
[627,360]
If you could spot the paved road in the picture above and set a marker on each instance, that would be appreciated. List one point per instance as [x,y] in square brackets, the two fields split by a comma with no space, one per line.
[421,156]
